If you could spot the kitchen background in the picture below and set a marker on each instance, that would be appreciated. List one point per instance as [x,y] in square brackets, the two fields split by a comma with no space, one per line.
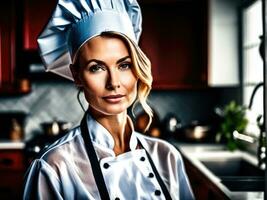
[49,101]
[204,54]
[199,73]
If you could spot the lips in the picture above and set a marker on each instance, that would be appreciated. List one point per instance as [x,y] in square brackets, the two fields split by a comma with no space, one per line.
[113,98]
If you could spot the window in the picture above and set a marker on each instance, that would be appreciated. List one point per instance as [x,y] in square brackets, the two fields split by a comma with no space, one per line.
[252,61]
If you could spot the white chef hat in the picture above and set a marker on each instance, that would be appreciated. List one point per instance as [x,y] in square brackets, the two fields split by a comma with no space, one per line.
[76,21]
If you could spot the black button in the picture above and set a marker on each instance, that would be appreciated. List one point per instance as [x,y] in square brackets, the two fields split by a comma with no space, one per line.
[142,158]
[106,165]
[117,198]
[157,192]
[150,175]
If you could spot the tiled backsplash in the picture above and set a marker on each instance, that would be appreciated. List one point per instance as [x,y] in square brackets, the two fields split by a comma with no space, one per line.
[49,101]
[46,102]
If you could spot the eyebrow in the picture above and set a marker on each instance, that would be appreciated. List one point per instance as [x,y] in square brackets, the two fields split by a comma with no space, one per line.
[122,59]
[101,62]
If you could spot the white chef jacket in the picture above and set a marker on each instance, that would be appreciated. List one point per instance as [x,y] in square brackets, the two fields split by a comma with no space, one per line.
[63,170]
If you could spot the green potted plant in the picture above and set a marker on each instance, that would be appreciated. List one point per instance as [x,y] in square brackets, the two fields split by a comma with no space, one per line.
[233,119]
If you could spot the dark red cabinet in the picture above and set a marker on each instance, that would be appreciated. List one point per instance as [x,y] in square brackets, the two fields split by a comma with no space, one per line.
[174,38]
[20,24]
[11,82]
[35,16]
[7,44]
[12,170]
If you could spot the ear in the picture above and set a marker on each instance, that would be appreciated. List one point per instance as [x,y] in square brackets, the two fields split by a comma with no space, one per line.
[75,73]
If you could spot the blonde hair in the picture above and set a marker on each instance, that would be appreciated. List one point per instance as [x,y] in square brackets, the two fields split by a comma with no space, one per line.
[142,70]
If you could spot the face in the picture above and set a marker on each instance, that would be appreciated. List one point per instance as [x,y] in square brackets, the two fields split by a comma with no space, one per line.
[106,75]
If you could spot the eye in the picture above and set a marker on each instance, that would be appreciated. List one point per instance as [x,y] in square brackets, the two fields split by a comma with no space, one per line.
[96,68]
[125,66]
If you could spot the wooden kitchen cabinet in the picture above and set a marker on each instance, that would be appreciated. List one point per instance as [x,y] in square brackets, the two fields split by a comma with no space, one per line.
[175,40]
[191,44]
[12,169]
[35,16]
[181,38]
[7,45]
[10,82]
[21,21]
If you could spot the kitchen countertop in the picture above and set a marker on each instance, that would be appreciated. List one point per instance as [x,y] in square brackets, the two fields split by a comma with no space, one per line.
[8,144]
[192,152]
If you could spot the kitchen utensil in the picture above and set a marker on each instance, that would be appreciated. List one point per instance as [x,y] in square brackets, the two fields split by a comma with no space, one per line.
[12,125]
[171,123]
[194,132]
[16,131]
[55,127]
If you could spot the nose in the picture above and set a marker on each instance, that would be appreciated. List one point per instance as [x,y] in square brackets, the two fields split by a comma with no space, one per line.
[113,80]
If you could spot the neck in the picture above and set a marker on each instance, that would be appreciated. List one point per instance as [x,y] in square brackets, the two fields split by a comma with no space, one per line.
[118,127]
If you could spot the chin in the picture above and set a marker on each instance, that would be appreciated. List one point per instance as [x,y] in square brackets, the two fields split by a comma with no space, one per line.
[111,110]
[115,111]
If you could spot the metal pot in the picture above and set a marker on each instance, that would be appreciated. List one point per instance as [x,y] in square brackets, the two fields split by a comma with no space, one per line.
[196,132]
[55,127]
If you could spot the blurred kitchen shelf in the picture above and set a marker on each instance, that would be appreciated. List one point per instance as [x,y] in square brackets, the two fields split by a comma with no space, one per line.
[14,90]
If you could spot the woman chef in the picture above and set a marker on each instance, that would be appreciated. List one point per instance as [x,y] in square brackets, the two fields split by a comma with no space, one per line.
[94,42]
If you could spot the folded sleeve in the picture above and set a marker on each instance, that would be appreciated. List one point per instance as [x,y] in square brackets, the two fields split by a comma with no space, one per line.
[41,182]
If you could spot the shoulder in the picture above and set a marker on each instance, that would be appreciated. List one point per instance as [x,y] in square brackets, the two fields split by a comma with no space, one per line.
[56,158]
[63,145]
